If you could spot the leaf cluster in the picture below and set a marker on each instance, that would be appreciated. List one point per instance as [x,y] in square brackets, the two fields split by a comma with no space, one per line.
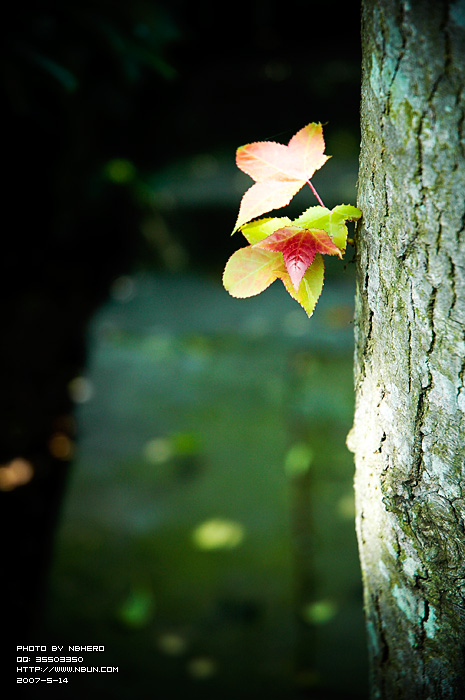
[281,248]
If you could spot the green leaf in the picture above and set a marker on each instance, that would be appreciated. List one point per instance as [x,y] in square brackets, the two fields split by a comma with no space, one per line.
[251,270]
[258,230]
[313,217]
[333,222]
[347,212]
[310,287]
[337,226]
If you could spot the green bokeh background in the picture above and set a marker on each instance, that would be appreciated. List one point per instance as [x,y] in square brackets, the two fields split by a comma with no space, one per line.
[206,535]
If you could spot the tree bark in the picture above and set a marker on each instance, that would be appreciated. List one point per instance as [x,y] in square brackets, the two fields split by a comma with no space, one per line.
[409,427]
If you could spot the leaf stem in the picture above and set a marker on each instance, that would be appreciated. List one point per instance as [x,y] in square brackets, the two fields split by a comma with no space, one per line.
[315,193]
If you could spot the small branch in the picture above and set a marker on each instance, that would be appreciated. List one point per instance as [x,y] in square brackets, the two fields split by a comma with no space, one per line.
[315,193]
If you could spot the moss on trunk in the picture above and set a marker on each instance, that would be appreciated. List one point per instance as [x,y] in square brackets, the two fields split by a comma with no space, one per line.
[409,426]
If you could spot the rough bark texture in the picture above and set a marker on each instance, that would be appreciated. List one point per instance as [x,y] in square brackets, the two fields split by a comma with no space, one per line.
[409,427]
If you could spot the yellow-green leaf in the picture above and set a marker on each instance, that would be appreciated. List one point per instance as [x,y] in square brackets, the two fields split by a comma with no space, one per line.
[251,270]
[310,286]
[258,230]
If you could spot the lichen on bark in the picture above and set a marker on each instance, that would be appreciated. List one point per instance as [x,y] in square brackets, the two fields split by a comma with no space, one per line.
[409,427]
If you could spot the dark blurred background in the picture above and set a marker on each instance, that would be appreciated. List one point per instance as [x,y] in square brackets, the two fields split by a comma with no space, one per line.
[174,481]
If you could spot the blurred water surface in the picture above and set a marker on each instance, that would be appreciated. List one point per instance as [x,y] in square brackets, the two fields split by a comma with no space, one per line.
[207,538]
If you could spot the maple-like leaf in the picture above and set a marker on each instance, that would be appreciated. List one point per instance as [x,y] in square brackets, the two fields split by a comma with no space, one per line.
[299,247]
[332,221]
[291,251]
[251,270]
[310,287]
[256,231]
[280,248]
[279,171]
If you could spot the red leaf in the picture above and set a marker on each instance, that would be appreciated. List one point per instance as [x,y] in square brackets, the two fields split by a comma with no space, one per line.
[279,171]
[299,247]
[310,286]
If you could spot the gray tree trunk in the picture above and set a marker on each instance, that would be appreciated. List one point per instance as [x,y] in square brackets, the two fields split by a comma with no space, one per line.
[409,427]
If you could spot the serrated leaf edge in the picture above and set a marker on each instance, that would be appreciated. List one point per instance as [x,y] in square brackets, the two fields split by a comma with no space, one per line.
[291,291]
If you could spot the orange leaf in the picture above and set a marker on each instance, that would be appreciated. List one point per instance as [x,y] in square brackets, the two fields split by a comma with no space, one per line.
[279,171]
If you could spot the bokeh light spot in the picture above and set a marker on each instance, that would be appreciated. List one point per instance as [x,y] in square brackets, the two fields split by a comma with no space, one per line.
[60,446]
[346,506]
[80,389]
[123,289]
[158,450]
[120,171]
[298,459]
[218,534]
[172,644]
[186,443]
[16,473]
[202,667]
[161,449]
[319,612]
[137,609]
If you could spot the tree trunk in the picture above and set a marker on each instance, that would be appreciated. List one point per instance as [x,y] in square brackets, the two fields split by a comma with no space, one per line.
[409,425]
